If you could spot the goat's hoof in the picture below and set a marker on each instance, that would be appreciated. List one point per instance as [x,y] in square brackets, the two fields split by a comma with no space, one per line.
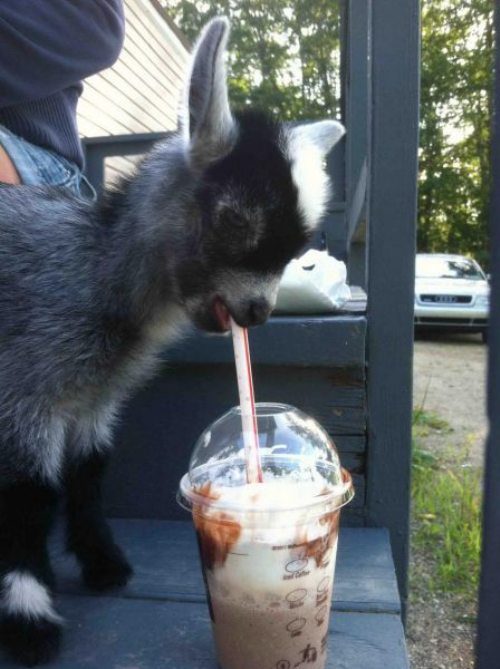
[31,641]
[107,570]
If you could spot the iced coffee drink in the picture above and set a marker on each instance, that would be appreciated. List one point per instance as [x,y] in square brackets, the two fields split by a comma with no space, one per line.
[268,549]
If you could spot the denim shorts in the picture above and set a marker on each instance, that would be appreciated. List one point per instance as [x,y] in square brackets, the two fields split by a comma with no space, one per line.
[37,166]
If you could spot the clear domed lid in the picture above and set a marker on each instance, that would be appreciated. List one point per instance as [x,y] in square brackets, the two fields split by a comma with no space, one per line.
[292,447]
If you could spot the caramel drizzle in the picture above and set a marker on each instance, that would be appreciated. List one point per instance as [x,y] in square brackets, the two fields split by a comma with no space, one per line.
[217,534]
[319,548]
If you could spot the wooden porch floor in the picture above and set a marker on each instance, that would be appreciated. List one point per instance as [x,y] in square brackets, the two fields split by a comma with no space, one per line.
[160,621]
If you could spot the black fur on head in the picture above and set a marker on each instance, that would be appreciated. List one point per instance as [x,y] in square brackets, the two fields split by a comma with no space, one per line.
[260,191]
[250,202]
[250,226]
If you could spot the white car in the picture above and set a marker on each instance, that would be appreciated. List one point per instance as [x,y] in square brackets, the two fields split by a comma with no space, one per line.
[451,292]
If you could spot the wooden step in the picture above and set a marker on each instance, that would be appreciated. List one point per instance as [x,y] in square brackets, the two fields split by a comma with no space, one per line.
[115,633]
[161,621]
[165,559]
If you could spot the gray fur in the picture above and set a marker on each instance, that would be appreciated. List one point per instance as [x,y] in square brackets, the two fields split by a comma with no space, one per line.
[82,301]
[208,124]
[89,294]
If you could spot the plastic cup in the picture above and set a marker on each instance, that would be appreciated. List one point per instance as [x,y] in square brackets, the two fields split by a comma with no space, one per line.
[268,549]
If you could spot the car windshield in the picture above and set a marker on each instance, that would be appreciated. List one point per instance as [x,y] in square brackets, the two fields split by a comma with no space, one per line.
[447,268]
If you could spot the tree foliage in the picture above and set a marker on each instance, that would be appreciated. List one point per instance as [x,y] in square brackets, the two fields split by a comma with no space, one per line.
[456,109]
[285,57]
[284,53]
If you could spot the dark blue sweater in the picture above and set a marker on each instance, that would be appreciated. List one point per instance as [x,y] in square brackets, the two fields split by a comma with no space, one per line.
[46,48]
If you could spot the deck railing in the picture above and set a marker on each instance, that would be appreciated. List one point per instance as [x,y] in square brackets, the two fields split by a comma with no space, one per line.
[488,648]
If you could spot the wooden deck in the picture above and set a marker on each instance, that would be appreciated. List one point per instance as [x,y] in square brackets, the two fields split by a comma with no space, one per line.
[161,621]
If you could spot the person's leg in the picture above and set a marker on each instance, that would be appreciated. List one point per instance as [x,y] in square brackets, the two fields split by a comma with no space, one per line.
[8,172]
[19,160]
[31,165]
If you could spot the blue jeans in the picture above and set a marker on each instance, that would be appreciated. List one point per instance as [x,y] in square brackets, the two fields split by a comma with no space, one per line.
[37,166]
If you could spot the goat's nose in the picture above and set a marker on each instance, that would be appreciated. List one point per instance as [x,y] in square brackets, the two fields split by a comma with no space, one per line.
[258,311]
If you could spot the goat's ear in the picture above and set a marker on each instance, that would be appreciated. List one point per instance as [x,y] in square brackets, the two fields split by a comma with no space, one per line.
[323,135]
[207,123]
[308,146]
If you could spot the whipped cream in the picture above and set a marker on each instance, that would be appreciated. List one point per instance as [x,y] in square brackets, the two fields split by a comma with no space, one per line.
[276,546]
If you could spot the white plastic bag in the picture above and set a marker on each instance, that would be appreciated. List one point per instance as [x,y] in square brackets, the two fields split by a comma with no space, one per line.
[313,284]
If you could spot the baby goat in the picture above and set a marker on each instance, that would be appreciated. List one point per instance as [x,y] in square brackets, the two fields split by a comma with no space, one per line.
[90,293]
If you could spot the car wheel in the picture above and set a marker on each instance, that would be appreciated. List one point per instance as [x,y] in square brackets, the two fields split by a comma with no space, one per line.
[484,336]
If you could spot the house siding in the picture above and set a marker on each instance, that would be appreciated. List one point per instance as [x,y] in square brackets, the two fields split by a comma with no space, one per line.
[140,93]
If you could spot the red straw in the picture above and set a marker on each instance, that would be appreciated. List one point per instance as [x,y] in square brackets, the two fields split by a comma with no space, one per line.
[247,403]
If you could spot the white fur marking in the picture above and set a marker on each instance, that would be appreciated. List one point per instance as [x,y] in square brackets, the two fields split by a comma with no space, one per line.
[51,454]
[93,429]
[312,183]
[24,595]
[307,148]
[167,326]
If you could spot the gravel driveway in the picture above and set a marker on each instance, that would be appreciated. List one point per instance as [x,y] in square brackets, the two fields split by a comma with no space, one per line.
[449,378]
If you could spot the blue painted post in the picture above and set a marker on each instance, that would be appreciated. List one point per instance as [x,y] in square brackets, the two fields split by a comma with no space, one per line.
[488,646]
[395,33]
[357,106]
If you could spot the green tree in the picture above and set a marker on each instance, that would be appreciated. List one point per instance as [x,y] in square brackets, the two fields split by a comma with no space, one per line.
[285,57]
[285,54]
[456,109]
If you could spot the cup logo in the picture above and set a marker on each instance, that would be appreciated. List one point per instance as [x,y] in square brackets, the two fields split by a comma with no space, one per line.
[321,615]
[296,598]
[296,626]
[322,594]
[297,565]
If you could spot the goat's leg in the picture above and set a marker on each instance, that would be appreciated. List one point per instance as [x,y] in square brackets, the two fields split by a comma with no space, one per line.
[30,627]
[89,535]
